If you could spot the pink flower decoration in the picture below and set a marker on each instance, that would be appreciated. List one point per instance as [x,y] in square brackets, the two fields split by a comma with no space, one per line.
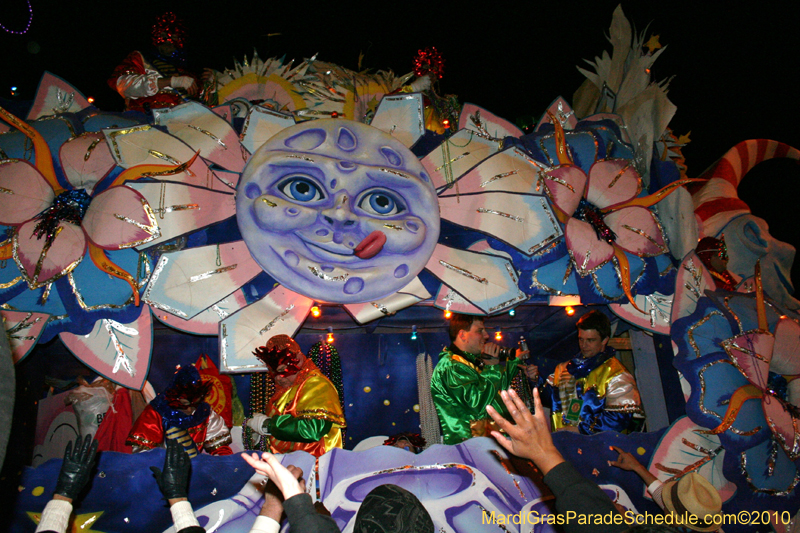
[54,227]
[754,353]
[602,214]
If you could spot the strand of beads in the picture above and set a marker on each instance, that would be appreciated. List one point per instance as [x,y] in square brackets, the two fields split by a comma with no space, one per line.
[261,389]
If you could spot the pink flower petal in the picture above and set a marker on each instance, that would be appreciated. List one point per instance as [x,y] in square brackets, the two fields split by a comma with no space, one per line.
[587,251]
[783,425]
[41,265]
[86,160]
[638,231]
[120,218]
[23,330]
[786,353]
[751,352]
[566,185]
[24,193]
[118,352]
[612,182]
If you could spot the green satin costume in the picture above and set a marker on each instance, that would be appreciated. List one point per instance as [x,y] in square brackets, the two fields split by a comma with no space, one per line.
[461,391]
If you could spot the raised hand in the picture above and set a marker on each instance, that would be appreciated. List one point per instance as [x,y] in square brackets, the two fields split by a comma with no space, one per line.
[174,480]
[625,461]
[530,436]
[76,468]
[269,466]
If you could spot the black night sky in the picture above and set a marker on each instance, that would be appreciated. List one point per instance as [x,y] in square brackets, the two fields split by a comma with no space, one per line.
[734,63]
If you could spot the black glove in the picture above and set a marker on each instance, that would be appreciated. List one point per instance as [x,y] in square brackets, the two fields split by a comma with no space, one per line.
[174,481]
[76,467]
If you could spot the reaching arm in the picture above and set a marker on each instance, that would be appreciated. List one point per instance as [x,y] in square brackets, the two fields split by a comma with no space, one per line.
[73,477]
[530,438]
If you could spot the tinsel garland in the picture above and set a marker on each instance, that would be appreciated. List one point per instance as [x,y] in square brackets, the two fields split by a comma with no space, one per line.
[428,419]
[261,390]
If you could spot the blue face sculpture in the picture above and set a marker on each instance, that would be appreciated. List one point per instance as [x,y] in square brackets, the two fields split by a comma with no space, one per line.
[338,211]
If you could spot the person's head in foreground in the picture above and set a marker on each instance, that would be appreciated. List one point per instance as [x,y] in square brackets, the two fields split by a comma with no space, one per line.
[693,499]
[392,509]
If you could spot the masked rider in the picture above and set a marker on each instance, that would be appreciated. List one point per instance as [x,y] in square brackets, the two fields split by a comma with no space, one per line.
[305,412]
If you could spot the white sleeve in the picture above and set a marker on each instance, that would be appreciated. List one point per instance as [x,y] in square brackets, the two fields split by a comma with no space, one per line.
[55,516]
[265,524]
[138,85]
[655,491]
[183,515]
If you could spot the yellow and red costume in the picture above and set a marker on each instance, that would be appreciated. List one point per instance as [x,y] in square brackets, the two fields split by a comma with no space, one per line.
[305,416]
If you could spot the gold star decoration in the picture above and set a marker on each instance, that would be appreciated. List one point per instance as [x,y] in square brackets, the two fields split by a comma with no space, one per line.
[652,44]
[684,139]
[78,524]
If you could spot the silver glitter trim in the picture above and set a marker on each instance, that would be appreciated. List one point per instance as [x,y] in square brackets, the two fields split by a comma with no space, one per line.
[164,157]
[771,492]
[302,157]
[396,173]
[701,403]
[208,134]
[162,262]
[519,298]
[662,249]
[206,275]
[536,284]
[382,308]
[21,325]
[463,272]
[322,275]
[499,177]
[121,359]
[515,218]
[275,320]
[221,312]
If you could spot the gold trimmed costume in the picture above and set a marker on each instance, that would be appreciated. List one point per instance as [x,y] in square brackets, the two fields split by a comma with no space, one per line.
[307,416]
[596,394]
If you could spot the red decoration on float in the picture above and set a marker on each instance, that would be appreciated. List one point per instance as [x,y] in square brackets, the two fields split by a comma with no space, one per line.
[429,61]
[168,28]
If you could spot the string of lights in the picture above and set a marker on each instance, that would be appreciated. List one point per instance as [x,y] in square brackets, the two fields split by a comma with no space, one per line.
[27,26]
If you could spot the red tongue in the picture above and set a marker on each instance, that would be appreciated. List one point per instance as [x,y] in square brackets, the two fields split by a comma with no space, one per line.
[371,245]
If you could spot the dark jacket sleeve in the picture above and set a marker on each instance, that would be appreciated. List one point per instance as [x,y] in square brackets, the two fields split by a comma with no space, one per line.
[576,496]
[303,518]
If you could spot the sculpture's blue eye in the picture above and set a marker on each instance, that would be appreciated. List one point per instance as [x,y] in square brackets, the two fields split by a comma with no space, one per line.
[301,189]
[381,203]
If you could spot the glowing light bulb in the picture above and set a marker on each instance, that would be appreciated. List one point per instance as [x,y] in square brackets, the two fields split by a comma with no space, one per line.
[413,333]
[498,335]
[512,312]
[448,314]
[329,338]
[90,100]
[570,310]
[316,311]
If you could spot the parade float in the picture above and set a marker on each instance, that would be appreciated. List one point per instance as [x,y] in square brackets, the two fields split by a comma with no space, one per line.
[140,243]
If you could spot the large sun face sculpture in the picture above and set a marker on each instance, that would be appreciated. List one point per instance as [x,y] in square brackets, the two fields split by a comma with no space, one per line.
[338,211]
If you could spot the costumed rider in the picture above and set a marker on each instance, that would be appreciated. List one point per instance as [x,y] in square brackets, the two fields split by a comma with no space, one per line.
[714,255]
[305,412]
[159,78]
[468,378]
[180,413]
[594,392]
